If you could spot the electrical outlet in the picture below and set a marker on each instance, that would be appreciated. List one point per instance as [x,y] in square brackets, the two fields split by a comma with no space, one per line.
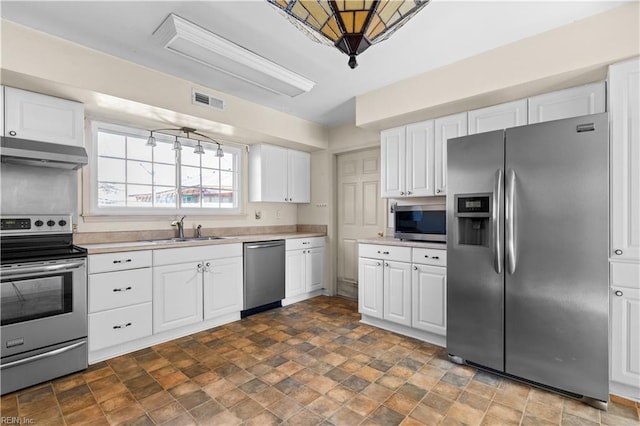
[321,204]
[258,214]
[278,214]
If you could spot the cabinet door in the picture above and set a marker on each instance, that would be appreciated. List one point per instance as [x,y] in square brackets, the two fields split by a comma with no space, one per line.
[296,279]
[315,268]
[222,287]
[625,336]
[397,292]
[43,118]
[392,161]
[370,289]
[177,296]
[573,102]
[274,174]
[429,297]
[299,176]
[420,153]
[498,117]
[446,127]
[624,105]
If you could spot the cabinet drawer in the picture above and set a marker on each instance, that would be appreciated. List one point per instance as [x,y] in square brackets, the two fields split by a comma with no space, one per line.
[173,256]
[119,261]
[118,289]
[117,326]
[303,243]
[427,256]
[625,275]
[375,251]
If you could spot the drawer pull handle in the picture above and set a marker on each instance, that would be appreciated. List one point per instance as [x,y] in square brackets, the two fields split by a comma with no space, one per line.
[122,289]
[383,252]
[426,256]
[122,261]
[306,242]
[115,327]
[435,257]
[619,293]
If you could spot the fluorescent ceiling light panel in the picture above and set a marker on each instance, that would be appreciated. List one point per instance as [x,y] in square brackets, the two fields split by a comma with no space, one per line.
[187,39]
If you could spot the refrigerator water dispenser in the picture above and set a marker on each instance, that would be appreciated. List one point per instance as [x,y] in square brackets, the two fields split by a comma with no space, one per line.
[473,215]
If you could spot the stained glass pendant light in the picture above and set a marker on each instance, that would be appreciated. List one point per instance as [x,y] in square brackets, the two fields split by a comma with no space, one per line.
[350,25]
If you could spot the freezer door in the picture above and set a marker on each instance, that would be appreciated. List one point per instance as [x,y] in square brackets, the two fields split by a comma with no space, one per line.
[556,283]
[474,270]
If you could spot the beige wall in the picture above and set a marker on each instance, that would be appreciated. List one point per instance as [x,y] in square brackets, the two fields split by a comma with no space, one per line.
[571,55]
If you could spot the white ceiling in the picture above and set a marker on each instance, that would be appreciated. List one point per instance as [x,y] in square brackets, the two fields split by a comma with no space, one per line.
[442,33]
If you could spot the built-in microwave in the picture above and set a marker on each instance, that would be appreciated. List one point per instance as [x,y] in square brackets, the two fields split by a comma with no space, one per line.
[422,223]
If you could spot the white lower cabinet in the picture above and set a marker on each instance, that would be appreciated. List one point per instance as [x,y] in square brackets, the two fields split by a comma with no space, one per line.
[222,287]
[429,296]
[406,286]
[188,291]
[625,329]
[119,298]
[304,265]
[397,292]
[177,295]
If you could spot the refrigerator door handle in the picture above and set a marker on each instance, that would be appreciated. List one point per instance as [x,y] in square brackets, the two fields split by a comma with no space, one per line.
[495,221]
[511,221]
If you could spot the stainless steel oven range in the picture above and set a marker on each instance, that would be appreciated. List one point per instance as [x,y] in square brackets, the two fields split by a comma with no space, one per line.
[43,297]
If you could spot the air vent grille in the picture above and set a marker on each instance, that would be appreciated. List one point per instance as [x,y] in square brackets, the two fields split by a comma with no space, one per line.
[199,98]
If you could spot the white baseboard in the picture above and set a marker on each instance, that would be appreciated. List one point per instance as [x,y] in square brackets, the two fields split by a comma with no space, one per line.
[425,336]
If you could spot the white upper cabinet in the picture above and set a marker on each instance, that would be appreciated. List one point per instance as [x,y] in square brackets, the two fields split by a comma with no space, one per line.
[573,102]
[393,162]
[407,158]
[497,117]
[34,116]
[448,127]
[279,175]
[624,106]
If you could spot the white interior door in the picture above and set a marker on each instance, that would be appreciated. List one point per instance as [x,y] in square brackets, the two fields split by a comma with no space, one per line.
[360,212]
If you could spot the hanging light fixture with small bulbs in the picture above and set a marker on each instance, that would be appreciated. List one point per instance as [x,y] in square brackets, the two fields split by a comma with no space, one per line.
[177,146]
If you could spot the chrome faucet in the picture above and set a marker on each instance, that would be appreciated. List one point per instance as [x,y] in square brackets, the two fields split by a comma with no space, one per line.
[199,231]
[180,225]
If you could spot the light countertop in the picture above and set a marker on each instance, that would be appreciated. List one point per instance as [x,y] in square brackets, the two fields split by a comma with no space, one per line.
[113,247]
[390,241]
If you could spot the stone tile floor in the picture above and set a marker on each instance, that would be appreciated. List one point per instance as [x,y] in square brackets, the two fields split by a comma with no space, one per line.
[305,364]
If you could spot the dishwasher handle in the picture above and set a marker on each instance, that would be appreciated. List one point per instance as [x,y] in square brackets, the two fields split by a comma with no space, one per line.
[259,246]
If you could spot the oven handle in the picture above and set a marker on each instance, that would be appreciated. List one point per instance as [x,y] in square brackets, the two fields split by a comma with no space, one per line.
[43,355]
[40,269]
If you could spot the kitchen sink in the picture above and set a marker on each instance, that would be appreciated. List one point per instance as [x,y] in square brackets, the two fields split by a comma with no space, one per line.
[181,240]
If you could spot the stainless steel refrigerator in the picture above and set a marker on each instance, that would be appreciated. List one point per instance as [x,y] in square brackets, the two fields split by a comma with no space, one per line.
[527,254]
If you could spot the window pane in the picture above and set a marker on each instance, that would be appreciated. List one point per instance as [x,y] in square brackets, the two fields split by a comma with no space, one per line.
[210,160]
[226,180]
[137,149]
[188,157]
[210,178]
[139,172]
[139,195]
[190,186]
[163,153]
[164,196]
[226,162]
[210,198]
[228,199]
[164,174]
[111,170]
[110,195]
[110,145]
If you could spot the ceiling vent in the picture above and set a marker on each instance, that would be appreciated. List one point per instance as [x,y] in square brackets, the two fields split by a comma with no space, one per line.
[202,99]
[181,36]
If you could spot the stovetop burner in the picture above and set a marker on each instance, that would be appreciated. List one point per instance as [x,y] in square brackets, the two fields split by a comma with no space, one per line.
[31,238]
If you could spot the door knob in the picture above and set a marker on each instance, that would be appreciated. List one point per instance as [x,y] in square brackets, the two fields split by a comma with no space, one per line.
[618,252]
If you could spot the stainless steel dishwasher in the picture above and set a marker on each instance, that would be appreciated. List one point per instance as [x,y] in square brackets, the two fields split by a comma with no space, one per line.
[264,275]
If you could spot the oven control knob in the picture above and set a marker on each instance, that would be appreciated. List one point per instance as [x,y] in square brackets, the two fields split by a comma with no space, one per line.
[51,222]
[62,222]
[39,222]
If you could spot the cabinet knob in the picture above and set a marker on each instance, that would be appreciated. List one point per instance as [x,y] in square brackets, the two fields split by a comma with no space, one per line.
[378,264]
[386,264]
[438,191]
[619,293]
[618,252]
[12,133]
[415,268]
[401,192]
[409,192]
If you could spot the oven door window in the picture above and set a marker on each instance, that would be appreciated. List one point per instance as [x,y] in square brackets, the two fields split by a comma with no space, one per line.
[35,297]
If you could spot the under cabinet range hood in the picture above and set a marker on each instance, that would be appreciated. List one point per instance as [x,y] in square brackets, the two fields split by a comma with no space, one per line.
[43,154]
